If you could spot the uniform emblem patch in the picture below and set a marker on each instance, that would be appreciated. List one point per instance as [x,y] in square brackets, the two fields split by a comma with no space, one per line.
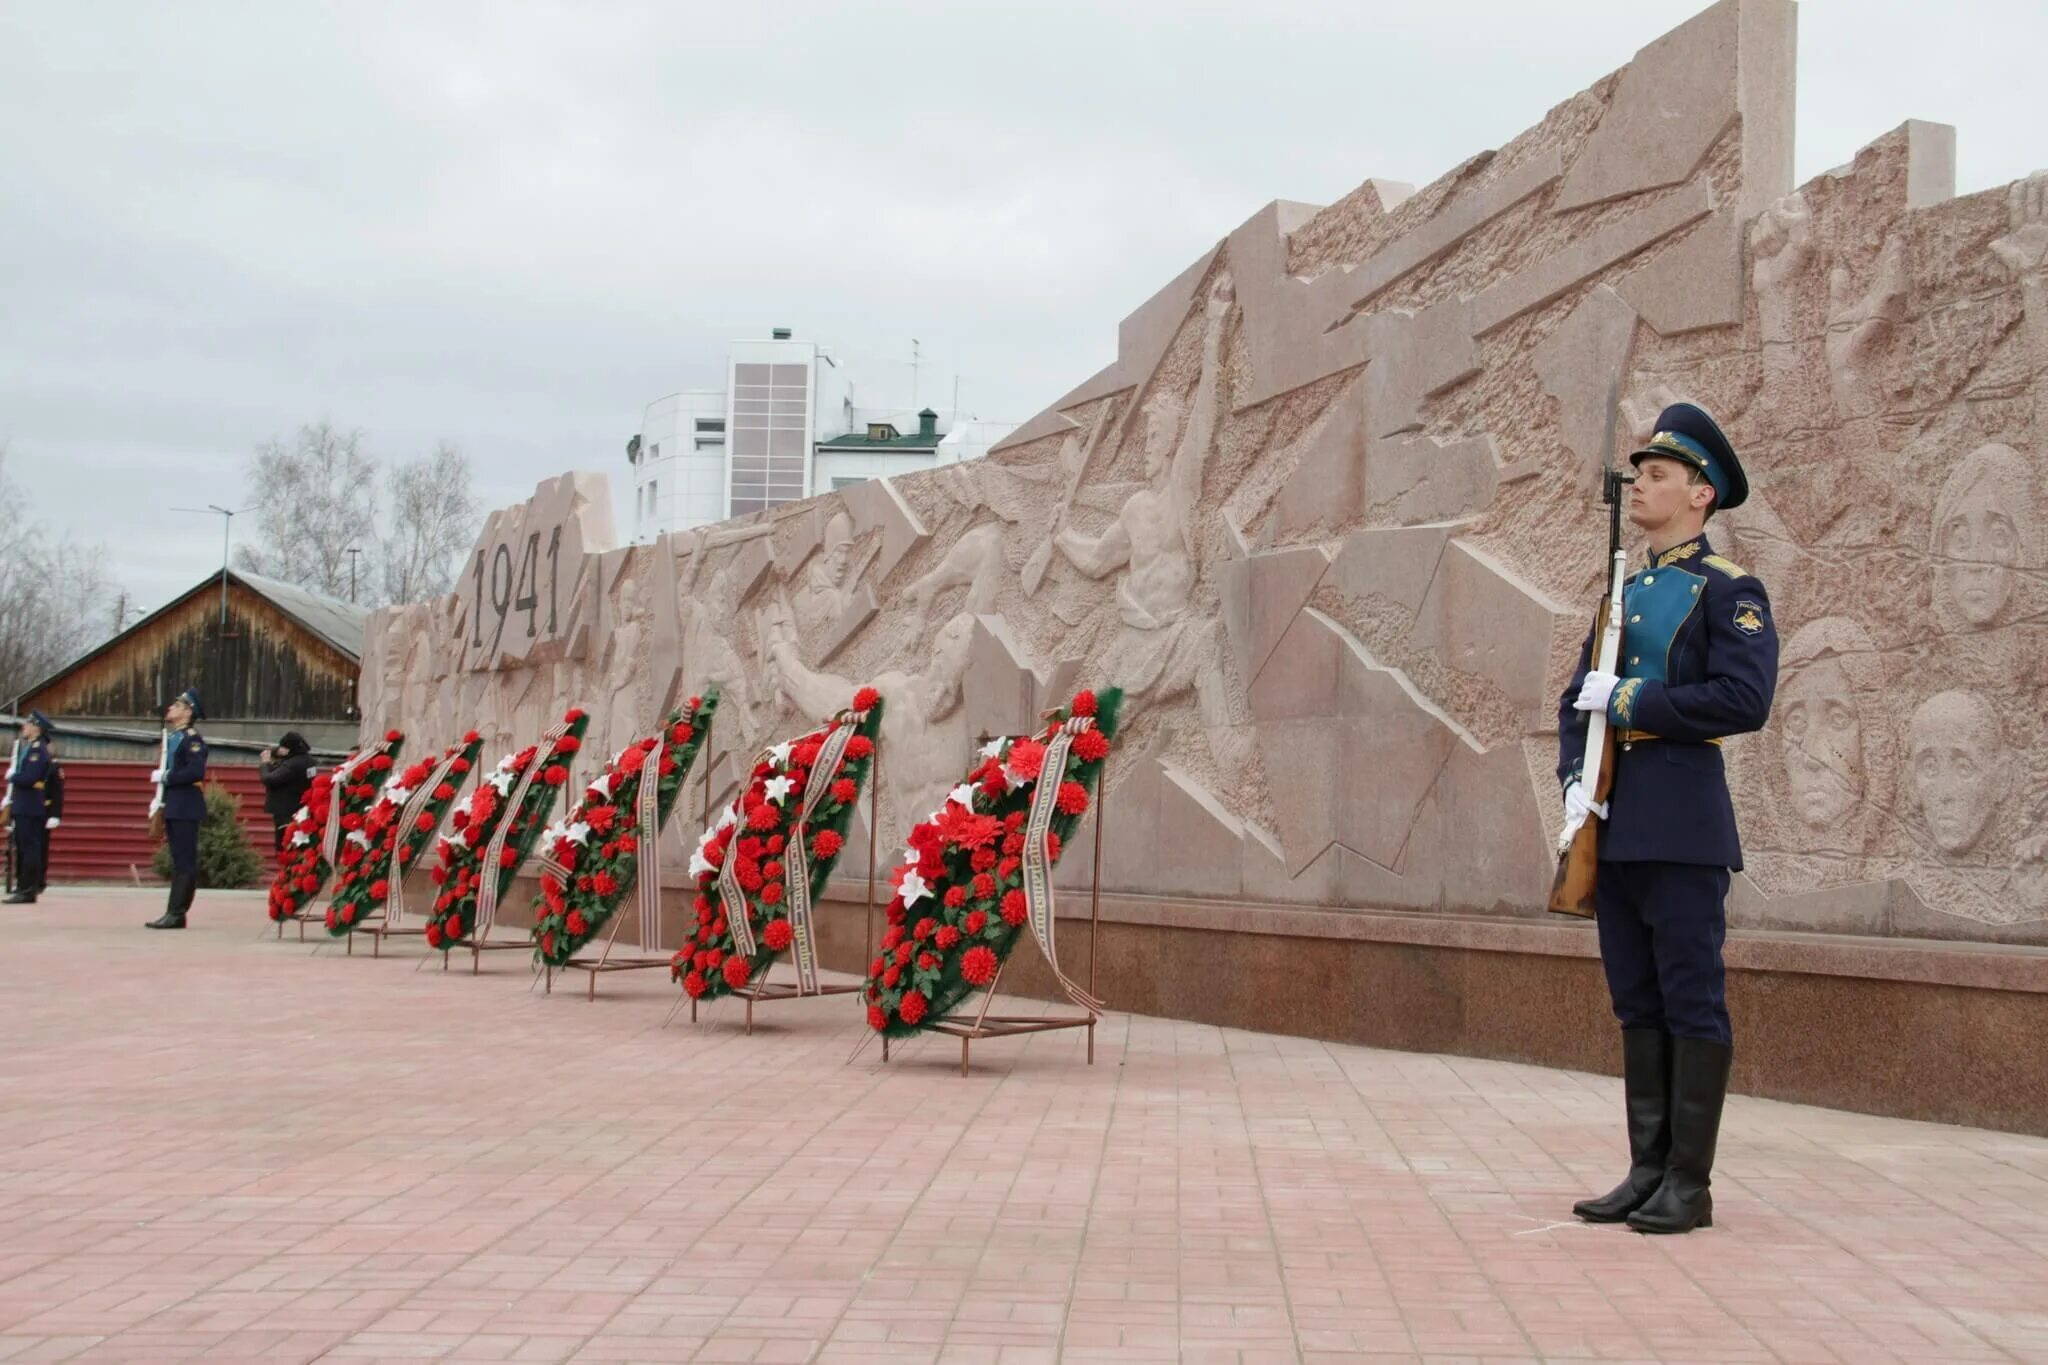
[1749,617]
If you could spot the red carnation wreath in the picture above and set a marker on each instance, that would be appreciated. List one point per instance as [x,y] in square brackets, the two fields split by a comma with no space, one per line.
[314,840]
[960,897]
[513,800]
[765,858]
[396,829]
[592,859]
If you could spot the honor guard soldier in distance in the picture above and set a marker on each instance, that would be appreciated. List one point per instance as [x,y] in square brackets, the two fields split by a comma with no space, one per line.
[184,805]
[35,801]
[1698,662]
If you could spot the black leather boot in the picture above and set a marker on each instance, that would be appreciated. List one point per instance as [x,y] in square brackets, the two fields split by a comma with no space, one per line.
[20,898]
[1645,1093]
[183,884]
[1699,1087]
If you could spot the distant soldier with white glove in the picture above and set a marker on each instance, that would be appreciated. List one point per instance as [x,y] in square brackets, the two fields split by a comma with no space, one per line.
[35,798]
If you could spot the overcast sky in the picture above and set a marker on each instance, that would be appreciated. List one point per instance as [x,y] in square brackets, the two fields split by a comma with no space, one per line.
[513,225]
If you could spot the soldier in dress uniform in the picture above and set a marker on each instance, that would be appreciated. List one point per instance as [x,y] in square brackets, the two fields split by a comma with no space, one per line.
[184,805]
[35,800]
[1699,662]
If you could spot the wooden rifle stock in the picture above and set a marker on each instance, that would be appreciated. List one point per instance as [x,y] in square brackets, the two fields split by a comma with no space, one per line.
[1579,866]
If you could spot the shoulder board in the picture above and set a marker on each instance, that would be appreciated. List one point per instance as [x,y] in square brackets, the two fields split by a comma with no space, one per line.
[1726,566]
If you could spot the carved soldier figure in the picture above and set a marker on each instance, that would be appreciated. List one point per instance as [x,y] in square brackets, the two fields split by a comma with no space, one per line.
[1699,662]
[1162,648]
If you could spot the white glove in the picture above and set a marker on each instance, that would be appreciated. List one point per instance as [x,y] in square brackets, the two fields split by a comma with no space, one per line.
[1598,688]
[156,775]
[52,823]
[1578,804]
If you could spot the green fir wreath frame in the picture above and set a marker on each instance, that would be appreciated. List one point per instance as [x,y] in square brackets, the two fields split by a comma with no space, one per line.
[956,934]
[715,963]
[580,895]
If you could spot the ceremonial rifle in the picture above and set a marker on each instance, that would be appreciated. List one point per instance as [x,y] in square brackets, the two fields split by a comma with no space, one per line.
[1578,853]
[156,802]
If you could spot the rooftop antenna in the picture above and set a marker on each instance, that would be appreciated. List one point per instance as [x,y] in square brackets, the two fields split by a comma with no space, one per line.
[227,520]
[915,358]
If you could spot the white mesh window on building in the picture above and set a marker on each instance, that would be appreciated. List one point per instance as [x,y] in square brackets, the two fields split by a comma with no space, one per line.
[770,416]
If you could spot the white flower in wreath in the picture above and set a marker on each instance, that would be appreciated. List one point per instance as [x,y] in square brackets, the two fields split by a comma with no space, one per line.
[303,814]
[577,833]
[357,837]
[301,839]
[502,780]
[727,818]
[700,865]
[994,748]
[912,888]
[779,788]
[398,796]
[962,795]
[779,753]
[602,788]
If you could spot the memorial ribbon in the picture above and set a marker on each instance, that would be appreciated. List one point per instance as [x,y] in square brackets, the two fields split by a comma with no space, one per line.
[487,886]
[1038,897]
[737,918]
[337,796]
[394,905]
[796,869]
[647,853]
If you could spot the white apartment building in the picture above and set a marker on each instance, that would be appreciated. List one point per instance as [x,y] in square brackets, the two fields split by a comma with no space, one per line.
[784,427]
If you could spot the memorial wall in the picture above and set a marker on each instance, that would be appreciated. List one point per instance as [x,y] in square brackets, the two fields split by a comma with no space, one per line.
[1330,520]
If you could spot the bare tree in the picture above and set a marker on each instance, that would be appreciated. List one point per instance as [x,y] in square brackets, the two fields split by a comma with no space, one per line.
[313,501]
[55,597]
[433,520]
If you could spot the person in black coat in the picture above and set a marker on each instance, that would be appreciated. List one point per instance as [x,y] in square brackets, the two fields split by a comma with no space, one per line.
[184,806]
[286,770]
[35,801]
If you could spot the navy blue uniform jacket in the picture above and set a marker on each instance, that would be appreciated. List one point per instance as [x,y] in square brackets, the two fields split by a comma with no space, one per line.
[30,780]
[1699,662]
[183,799]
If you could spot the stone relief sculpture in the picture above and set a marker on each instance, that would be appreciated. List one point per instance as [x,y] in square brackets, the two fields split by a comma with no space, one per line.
[627,713]
[829,584]
[1161,650]
[1957,767]
[1985,538]
[1831,730]
[924,728]
[1326,518]
[2024,252]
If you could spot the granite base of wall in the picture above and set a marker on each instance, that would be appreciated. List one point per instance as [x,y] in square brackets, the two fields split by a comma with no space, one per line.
[1909,1028]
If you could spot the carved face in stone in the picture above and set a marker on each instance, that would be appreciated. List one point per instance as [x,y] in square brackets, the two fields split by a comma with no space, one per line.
[838,552]
[1956,768]
[1831,676]
[1983,528]
[629,604]
[1823,744]
[1162,433]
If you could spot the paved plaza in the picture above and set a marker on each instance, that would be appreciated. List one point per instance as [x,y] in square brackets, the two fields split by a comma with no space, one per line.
[215,1146]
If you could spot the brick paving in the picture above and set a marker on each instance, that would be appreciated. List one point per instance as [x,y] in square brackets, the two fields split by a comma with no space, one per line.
[218,1147]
